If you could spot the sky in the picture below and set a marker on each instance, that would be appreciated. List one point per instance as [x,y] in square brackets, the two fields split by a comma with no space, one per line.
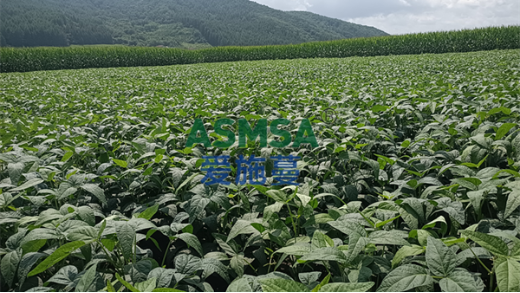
[411,16]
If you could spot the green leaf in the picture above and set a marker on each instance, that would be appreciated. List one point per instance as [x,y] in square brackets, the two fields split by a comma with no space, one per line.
[320,240]
[167,290]
[458,281]
[241,227]
[146,286]
[327,253]
[15,171]
[9,265]
[406,251]
[240,285]
[405,278]
[211,265]
[297,249]
[392,237]
[508,276]
[379,108]
[282,285]
[351,228]
[120,163]
[86,280]
[192,241]
[504,129]
[28,184]
[347,287]
[513,202]
[110,287]
[26,264]
[440,259]
[126,237]
[149,212]
[96,191]
[492,243]
[67,156]
[277,195]
[59,254]
[65,276]
[126,284]
[324,282]
[187,264]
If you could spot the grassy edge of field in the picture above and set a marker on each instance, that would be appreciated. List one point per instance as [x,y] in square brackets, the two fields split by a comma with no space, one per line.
[481,39]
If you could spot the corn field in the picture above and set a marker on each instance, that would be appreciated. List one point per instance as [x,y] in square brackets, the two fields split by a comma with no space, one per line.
[49,58]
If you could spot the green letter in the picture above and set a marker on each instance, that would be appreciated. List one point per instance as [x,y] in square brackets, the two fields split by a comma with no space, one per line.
[193,138]
[224,132]
[305,127]
[244,129]
[286,135]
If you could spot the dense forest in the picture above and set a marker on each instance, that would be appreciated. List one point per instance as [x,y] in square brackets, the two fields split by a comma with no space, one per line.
[172,23]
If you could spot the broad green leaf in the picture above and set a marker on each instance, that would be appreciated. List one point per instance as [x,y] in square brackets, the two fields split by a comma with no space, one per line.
[28,184]
[86,280]
[324,282]
[192,241]
[504,129]
[277,195]
[320,240]
[126,238]
[9,266]
[121,163]
[352,229]
[96,191]
[187,264]
[282,285]
[405,278]
[126,284]
[146,286]
[492,243]
[15,171]
[513,202]
[211,265]
[508,276]
[241,227]
[379,108]
[392,237]
[67,156]
[347,287]
[269,211]
[406,251]
[240,285]
[26,264]
[459,280]
[149,212]
[440,259]
[327,253]
[65,276]
[59,254]
[297,249]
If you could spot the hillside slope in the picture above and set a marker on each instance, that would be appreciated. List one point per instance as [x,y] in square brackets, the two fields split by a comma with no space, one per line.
[173,23]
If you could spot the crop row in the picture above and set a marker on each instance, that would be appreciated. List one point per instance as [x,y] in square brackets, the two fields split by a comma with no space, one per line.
[33,59]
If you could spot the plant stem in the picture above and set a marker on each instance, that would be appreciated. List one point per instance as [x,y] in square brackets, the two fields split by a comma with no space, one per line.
[166,253]
[491,282]
[489,271]
[292,220]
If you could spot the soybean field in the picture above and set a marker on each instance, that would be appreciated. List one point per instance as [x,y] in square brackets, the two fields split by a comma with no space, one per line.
[414,184]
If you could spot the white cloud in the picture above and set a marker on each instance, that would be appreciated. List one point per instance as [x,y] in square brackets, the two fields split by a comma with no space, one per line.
[409,16]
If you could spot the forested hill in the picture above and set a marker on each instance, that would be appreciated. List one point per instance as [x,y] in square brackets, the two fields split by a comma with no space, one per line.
[172,23]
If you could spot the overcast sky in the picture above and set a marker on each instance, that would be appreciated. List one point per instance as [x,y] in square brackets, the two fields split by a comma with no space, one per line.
[409,16]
